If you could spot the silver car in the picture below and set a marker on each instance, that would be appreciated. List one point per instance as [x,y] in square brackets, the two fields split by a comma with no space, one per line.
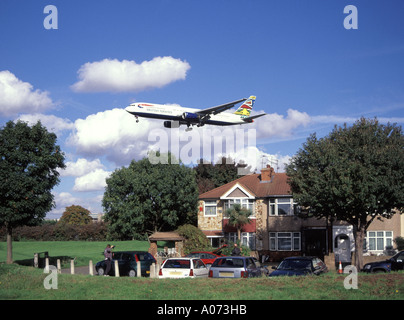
[234,267]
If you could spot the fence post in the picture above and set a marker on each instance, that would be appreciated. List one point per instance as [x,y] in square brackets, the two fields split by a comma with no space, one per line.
[139,269]
[116,268]
[90,268]
[36,260]
[47,264]
[58,266]
[72,266]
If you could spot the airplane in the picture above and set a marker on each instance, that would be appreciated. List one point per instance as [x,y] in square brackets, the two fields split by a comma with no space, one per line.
[176,115]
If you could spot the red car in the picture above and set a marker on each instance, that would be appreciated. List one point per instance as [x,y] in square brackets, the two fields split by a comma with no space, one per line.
[208,257]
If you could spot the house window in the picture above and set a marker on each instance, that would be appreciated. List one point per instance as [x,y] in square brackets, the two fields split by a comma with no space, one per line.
[378,240]
[245,203]
[284,241]
[281,207]
[210,208]
[247,239]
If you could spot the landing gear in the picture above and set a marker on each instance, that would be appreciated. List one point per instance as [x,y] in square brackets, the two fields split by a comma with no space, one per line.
[137,119]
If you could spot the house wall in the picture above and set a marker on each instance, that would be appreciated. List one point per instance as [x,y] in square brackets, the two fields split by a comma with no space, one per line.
[393,224]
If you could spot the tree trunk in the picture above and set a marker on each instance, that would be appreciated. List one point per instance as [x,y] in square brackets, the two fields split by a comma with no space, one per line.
[9,245]
[359,234]
[239,234]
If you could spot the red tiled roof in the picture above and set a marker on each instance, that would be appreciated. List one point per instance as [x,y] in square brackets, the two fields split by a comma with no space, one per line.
[252,183]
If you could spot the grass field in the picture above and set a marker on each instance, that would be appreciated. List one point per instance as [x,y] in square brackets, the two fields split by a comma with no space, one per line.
[81,251]
[27,283]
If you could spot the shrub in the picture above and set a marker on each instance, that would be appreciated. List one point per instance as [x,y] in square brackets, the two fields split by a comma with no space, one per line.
[399,243]
[195,239]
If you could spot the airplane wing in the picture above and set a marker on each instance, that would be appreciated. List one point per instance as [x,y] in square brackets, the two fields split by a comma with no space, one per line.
[250,119]
[221,108]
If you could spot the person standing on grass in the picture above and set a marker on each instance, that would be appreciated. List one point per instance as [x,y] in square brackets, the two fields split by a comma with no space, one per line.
[108,258]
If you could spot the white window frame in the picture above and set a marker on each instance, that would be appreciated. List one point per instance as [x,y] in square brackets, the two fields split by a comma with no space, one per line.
[295,239]
[275,203]
[210,204]
[374,237]
[244,202]
[247,238]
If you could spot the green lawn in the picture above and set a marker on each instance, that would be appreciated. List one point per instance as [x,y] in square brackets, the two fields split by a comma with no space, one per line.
[26,283]
[83,251]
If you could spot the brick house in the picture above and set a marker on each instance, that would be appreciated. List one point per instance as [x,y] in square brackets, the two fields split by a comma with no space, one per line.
[275,230]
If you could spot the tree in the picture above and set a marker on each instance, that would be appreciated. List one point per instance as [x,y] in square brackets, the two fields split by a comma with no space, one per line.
[146,197]
[195,239]
[29,159]
[210,176]
[355,174]
[76,215]
[238,217]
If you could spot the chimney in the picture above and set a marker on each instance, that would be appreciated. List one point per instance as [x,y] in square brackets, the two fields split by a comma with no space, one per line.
[267,173]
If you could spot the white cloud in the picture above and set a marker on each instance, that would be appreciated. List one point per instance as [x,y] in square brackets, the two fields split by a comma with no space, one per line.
[81,167]
[51,122]
[17,96]
[275,125]
[93,181]
[112,133]
[125,76]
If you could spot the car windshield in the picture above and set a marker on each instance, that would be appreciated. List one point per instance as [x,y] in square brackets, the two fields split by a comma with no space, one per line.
[177,264]
[294,264]
[229,263]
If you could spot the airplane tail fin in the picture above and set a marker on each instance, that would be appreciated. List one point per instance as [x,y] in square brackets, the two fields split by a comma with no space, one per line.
[245,109]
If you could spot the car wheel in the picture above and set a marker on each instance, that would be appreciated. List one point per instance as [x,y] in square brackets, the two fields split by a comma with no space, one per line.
[101,271]
[132,273]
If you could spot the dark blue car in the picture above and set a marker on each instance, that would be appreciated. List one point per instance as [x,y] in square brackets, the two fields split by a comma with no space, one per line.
[299,266]
[393,264]
[127,263]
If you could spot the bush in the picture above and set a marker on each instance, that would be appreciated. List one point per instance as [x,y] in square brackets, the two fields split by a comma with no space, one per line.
[195,239]
[399,243]
[58,232]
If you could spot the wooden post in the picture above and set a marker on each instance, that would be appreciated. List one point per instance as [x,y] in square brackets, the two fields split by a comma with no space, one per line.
[139,269]
[58,266]
[36,260]
[72,266]
[116,268]
[90,268]
[153,270]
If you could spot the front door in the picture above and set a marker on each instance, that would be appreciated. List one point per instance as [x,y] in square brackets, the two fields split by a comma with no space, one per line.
[343,248]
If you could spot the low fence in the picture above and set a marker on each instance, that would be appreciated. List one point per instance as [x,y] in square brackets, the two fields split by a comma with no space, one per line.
[154,268]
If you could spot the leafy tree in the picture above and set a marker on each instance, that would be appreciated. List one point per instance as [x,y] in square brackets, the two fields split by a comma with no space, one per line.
[355,174]
[195,239]
[76,215]
[146,197]
[29,159]
[209,176]
[238,217]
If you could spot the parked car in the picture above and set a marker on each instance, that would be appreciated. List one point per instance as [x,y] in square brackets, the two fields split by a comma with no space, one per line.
[234,267]
[299,266]
[393,264]
[264,269]
[183,268]
[127,263]
[208,257]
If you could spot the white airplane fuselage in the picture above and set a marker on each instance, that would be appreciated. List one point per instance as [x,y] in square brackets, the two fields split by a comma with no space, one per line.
[181,114]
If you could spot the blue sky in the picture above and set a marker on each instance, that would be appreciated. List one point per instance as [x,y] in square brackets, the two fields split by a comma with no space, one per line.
[307,71]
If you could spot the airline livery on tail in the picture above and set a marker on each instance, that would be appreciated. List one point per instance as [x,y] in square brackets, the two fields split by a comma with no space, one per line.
[176,115]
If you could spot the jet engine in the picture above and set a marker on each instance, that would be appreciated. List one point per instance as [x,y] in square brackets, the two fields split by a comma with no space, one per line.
[190,115]
[171,124]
